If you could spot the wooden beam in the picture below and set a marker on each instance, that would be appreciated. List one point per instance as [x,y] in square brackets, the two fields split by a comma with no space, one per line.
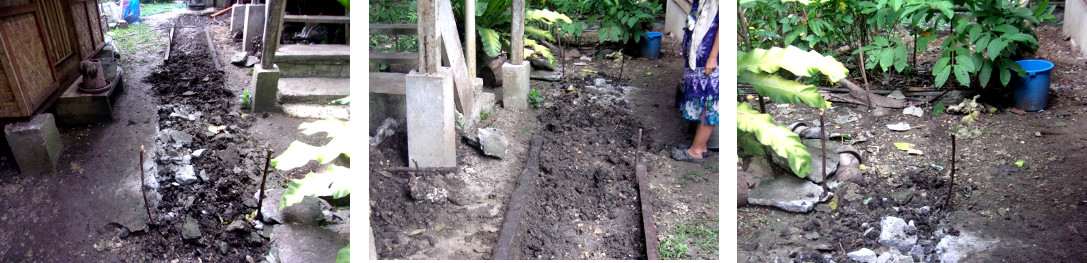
[317,19]
[430,55]
[517,37]
[448,29]
[470,36]
[273,27]
[394,29]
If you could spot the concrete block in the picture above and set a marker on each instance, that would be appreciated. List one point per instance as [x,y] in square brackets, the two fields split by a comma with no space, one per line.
[35,143]
[295,70]
[326,70]
[237,19]
[480,105]
[254,26]
[515,85]
[265,88]
[430,121]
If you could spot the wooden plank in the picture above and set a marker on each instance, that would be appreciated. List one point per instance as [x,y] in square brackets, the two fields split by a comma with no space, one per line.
[394,58]
[430,56]
[394,29]
[648,223]
[517,37]
[470,36]
[17,10]
[387,83]
[10,101]
[317,19]
[32,67]
[448,27]
[273,28]
[512,223]
[97,36]
[83,34]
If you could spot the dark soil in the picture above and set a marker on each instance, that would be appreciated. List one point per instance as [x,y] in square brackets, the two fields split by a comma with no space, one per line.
[1030,212]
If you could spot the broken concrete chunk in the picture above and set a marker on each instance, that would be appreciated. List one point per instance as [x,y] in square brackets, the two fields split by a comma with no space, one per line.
[787,192]
[251,60]
[863,255]
[237,225]
[185,175]
[191,229]
[493,141]
[893,234]
[913,110]
[428,189]
[238,58]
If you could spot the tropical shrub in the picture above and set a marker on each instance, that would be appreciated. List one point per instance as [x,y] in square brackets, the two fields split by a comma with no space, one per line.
[493,27]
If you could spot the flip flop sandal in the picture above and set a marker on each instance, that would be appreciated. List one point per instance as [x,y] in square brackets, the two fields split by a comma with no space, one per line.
[706,154]
[681,155]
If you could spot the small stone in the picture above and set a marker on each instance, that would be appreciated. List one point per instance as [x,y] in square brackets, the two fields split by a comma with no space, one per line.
[893,234]
[251,60]
[188,93]
[185,175]
[191,229]
[893,256]
[812,235]
[863,255]
[204,176]
[896,94]
[238,58]
[913,110]
[787,192]
[223,247]
[237,225]
[822,208]
[198,153]
[903,197]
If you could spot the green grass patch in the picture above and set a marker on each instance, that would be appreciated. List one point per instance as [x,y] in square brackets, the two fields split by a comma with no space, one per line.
[154,9]
[692,240]
[136,39]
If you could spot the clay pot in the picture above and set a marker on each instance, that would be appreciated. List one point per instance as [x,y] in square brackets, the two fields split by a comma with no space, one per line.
[93,76]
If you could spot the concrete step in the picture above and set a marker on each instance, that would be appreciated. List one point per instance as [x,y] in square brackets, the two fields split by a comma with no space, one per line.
[315,111]
[322,61]
[320,19]
[313,90]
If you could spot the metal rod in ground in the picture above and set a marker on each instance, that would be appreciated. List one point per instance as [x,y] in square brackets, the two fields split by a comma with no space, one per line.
[263,178]
[867,95]
[823,147]
[512,222]
[951,188]
[143,190]
[211,49]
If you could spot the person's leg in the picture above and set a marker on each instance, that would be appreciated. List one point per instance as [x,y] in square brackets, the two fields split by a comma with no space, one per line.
[701,137]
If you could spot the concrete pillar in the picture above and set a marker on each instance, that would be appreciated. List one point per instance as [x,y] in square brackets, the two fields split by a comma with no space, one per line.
[1075,26]
[265,87]
[430,119]
[237,19]
[36,144]
[478,107]
[254,27]
[515,85]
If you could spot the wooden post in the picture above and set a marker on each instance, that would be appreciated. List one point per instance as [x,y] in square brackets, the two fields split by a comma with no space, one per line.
[451,42]
[273,27]
[429,48]
[517,38]
[470,36]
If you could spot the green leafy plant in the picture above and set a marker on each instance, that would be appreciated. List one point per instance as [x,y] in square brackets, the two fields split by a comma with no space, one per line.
[534,99]
[619,21]
[335,181]
[493,26]
[756,129]
[246,100]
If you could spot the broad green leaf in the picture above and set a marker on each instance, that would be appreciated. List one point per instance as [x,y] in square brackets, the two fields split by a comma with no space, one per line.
[344,256]
[983,41]
[1020,37]
[903,146]
[490,40]
[334,181]
[974,32]
[946,9]
[1006,28]
[1020,163]
[994,48]
[1040,9]
[963,76]
[1025,13]
[540,49]
[985,72]
[922,42]
[942,75]
[536,33]
[749,143]
[897,4]
[965,62]
[784,142]
[1005,77]
[881,41]
[546,16]
[938,109]
[941,64]
[781,90]
[799,62]
[900,58]
[886,57]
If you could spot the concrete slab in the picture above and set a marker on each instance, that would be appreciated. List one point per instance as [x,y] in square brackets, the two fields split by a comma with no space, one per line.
[787,192]
[515,85]
[314,54]
[1075,26]
[265,88]
[35,144]
[254,27]
[306,243]
[313,90]
[314,111]
[430,119]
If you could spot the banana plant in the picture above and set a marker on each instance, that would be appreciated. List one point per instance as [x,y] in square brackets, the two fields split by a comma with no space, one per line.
[758,67]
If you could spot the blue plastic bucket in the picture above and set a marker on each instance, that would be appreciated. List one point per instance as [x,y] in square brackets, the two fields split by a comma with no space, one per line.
[651,45]
[1032,94]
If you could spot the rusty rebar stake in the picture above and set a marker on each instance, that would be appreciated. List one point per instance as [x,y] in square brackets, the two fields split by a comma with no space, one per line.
[143,190]
[951,188]
[263,178]
[823,143]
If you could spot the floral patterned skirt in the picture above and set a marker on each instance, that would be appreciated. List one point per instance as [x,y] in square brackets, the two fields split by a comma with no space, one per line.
[700,92]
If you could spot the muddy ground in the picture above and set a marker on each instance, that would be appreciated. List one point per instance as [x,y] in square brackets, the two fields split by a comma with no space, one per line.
[1011,213]
[72,215]
[584,203]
